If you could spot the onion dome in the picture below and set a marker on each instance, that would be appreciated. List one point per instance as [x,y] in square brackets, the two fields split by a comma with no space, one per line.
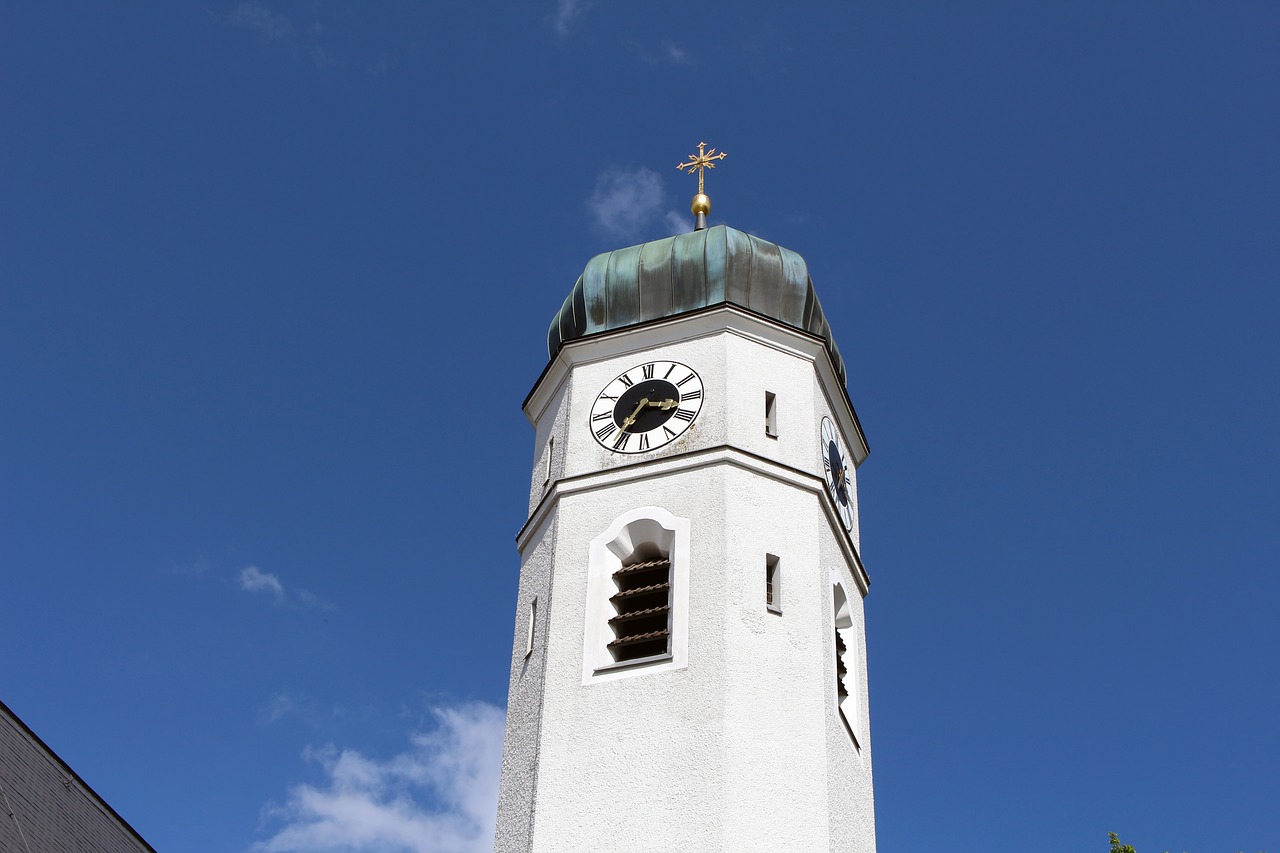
[689,272]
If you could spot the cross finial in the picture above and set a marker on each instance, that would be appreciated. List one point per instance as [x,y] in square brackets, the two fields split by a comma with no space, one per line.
[701,161]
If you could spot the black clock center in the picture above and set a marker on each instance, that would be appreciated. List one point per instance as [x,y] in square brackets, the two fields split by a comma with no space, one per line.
[837,471]
[646,405]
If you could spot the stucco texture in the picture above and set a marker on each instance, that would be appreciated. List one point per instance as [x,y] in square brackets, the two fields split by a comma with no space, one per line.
[743,749]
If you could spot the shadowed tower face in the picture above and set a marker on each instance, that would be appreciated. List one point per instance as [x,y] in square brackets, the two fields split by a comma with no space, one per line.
[689,670]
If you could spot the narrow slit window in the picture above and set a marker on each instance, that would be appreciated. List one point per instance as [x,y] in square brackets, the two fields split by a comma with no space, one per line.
[772,584]
[642,609]
[551,451]
[533,627]
[770,414]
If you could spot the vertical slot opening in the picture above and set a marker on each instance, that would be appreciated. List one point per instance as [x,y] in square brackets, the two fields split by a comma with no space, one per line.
[772,584]
[551,451]
[770,414]
[533,627]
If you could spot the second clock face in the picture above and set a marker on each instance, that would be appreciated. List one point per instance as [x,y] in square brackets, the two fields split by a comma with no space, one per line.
[650,405]
[835,469]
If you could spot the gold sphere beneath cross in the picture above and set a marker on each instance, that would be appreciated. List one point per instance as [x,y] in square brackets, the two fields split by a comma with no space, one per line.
[701,204]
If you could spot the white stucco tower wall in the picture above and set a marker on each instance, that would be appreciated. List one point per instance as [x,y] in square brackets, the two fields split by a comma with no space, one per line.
[738,738]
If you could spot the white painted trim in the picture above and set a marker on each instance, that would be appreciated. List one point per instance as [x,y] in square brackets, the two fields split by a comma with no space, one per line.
[633,340]
[722,455]
[648,524]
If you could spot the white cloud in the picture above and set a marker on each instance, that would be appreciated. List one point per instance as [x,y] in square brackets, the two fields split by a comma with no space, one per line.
[676,54]
[253,16]
[309,599]
[677,222]
[279,707]
[568,11]
[626,201]
[439,796]
[253,579]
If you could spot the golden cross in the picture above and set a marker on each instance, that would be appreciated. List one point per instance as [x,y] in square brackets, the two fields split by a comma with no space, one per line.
[702,160]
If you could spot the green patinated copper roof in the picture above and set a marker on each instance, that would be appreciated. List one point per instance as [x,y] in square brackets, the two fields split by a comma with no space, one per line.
[688,272]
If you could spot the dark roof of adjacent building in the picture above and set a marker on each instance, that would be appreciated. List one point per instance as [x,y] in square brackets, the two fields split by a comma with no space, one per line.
[47,806]
[688,272]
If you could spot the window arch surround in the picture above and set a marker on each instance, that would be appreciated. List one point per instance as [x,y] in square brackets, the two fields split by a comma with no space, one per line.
[644,533]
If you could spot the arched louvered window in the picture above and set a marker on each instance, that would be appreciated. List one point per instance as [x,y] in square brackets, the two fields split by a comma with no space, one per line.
[846,675]
[637,596]
[642,606]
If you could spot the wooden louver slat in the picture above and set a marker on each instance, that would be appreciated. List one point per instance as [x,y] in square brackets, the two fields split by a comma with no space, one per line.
[640,590]
[642,606]
[636,567]
[632,639]
[841,669]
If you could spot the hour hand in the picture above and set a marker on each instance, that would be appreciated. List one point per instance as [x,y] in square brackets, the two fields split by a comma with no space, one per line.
[631,419]
[665,404]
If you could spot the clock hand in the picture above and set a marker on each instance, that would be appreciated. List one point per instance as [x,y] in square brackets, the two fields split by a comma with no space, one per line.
[665,404]
[631,419]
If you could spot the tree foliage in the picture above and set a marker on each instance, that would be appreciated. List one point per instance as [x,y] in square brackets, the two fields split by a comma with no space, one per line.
[1117,847]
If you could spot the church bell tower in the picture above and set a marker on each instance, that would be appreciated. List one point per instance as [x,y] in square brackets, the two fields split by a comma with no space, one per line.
[689,667]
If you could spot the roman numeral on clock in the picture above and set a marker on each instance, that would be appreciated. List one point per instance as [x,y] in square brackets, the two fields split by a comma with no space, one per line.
[685,414]
[602,416]
[686,379]
[692,395]
[647,370]
[625,380]
[606,430]
[644,442]
[620,443]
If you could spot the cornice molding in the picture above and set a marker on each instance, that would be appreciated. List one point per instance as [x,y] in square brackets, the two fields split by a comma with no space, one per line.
[720,455]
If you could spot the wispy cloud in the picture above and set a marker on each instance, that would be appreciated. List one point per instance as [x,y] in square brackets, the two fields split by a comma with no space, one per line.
[305,41]
[567,12]
[193,569]
[668,53]
[253,579]
[677,222]
[260,19]
[278,707]
[439,796]
[628,202]
[675,54]
[309,599]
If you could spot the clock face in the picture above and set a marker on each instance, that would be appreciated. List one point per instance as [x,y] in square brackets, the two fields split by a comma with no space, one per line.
[650,405]
[835,469]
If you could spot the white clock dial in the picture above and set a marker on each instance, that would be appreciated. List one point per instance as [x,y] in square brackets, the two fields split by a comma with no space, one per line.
[835,470]
[646,407]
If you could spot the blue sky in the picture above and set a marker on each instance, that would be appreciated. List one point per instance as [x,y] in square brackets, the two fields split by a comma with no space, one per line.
[275,278]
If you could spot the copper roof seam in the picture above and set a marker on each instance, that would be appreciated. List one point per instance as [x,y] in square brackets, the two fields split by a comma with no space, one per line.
[707,283]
